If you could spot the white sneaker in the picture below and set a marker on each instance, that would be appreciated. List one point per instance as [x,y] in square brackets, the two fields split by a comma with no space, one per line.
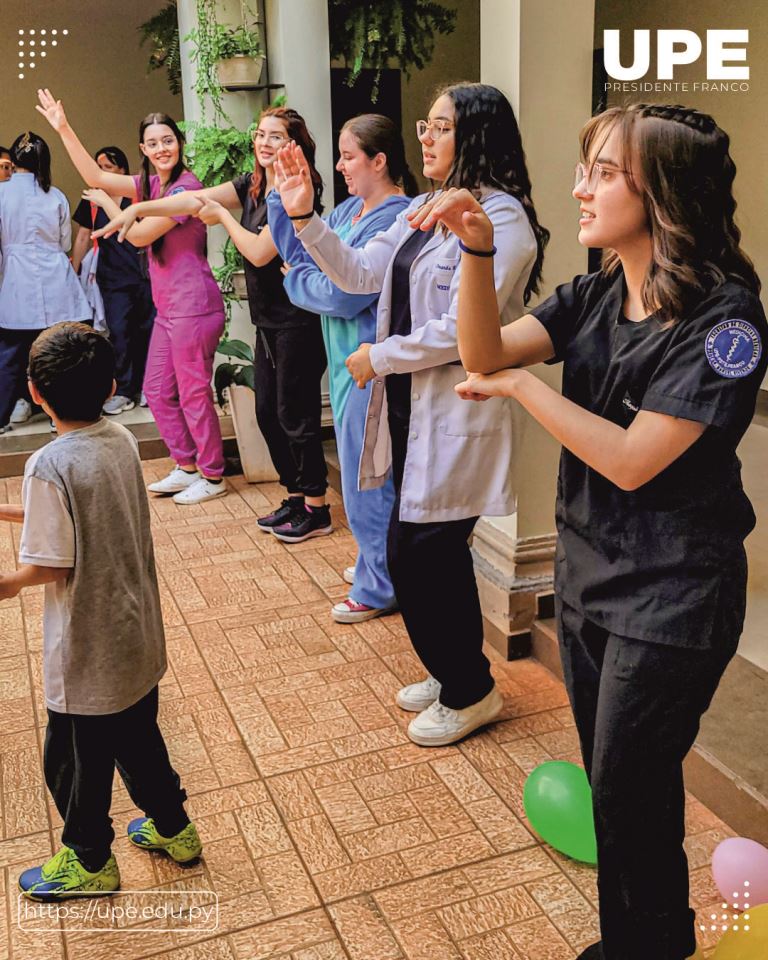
[116,405]
[143,402]
[200,491]
[437,726]
[418,696]
[22,411]
[176,481]
[349,574]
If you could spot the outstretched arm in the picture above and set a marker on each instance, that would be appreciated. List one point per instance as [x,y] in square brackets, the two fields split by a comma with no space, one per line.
[89,170]
[258,248]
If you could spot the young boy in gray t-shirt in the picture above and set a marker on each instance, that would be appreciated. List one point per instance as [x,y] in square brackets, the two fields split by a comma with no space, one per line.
[86,536]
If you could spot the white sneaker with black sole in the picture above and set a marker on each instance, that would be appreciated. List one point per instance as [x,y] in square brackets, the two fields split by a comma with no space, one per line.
[438,726]
[21,412]
[116,405]
[200,491]
[176,481]
[418,696]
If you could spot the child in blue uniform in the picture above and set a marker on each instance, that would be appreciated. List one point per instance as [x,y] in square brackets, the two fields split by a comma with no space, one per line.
[372,159]
[663,357]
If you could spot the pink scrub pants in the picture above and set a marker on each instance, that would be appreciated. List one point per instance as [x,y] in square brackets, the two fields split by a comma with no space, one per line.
[177,385]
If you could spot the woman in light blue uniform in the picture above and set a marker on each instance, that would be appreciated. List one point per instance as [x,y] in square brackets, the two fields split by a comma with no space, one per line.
[38,286]
[372,160]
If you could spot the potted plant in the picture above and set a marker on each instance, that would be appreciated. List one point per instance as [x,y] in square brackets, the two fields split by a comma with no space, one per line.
[239,56]
[162,31]
[234,381]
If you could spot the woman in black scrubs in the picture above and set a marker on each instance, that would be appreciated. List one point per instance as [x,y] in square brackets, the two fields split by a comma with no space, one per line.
[663,357]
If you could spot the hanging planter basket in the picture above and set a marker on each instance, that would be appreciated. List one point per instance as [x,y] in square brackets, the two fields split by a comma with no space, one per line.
[240,72]
[238,285]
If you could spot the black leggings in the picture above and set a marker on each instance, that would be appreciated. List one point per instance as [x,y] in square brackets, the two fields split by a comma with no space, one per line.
[434,579]
[80,756]
[289,364]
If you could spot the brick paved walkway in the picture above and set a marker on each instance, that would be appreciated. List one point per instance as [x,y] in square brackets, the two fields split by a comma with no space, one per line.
[328,835]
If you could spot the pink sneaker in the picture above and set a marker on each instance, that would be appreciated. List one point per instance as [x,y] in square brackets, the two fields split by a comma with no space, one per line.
[350,611]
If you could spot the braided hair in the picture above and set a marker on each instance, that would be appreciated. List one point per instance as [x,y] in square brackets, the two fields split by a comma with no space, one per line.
[489,153]
[678,160]
[31,152]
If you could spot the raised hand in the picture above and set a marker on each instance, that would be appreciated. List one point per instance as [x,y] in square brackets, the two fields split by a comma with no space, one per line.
[52,110]
[459,212]
[293,181]
[120,224]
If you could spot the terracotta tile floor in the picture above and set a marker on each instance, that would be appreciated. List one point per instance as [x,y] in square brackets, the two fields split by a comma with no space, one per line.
[328,835]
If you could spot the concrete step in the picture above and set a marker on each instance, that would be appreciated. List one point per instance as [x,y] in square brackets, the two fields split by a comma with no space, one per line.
[727,769]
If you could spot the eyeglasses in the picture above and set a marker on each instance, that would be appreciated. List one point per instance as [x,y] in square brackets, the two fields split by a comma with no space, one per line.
[166,142]
[273,139]
[6,165]
[435,129]
[595,175]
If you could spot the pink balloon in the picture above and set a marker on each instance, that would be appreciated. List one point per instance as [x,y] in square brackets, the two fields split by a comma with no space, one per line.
[740,867]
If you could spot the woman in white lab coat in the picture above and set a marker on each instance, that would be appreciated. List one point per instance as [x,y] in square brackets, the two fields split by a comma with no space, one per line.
[38,286]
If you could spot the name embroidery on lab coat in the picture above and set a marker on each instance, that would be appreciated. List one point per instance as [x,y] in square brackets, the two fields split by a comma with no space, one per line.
[733,348]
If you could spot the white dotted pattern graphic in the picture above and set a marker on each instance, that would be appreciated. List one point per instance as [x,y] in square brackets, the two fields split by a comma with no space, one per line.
[744,916]
[29,44]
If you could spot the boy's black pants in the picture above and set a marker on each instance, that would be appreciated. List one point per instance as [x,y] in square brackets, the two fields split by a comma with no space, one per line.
[81,753]
[637,707]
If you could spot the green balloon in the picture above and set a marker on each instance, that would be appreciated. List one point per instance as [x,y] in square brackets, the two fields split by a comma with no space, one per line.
[558,803]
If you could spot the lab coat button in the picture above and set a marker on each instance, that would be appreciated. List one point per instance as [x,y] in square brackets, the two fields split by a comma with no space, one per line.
[414,436]
[414,396]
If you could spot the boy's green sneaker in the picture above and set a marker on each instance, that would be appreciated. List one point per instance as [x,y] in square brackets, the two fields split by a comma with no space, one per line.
[185,846]
[64,876]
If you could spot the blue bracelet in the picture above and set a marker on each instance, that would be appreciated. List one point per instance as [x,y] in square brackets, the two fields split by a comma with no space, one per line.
[477,253]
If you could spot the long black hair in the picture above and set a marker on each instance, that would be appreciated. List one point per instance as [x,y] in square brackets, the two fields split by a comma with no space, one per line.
[31,152]
[489,153]
[179,167]
[376,133]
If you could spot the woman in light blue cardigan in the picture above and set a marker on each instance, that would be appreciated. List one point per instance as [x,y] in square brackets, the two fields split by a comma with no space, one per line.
[372,160]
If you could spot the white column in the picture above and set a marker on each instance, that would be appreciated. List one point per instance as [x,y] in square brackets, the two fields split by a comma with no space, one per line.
[540,56]
[299,57]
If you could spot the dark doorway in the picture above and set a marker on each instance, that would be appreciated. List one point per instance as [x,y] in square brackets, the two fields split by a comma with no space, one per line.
[347,102]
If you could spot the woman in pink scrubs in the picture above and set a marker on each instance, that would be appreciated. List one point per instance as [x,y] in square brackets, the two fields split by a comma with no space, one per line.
[190,309]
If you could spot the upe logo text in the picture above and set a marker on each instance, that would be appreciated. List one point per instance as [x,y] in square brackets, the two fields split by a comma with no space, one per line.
[675,48]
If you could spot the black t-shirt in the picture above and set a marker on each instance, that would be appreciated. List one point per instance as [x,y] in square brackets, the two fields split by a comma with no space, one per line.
[399,384]
[649,563]
[267,299]
[120,264]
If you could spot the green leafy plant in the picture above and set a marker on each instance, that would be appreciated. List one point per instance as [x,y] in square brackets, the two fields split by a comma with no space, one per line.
[228,42]
[240,372]
[370,33]
[162,32]
[218,154]
[233,263]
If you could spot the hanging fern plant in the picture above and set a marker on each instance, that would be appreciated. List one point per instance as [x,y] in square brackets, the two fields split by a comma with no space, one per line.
[370,33]
[162,32]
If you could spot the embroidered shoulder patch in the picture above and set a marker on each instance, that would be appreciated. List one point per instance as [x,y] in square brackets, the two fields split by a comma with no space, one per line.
[733,348]
[174,190]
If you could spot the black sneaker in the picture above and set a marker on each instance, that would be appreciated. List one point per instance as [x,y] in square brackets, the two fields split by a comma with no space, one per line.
[282,515]
[309,522]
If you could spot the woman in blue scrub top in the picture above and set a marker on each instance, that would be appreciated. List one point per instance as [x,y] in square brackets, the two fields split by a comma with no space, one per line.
[663,355]
[38,286]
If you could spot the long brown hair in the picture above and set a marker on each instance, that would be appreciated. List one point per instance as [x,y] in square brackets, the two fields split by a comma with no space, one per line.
[296,129]
[677,159]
